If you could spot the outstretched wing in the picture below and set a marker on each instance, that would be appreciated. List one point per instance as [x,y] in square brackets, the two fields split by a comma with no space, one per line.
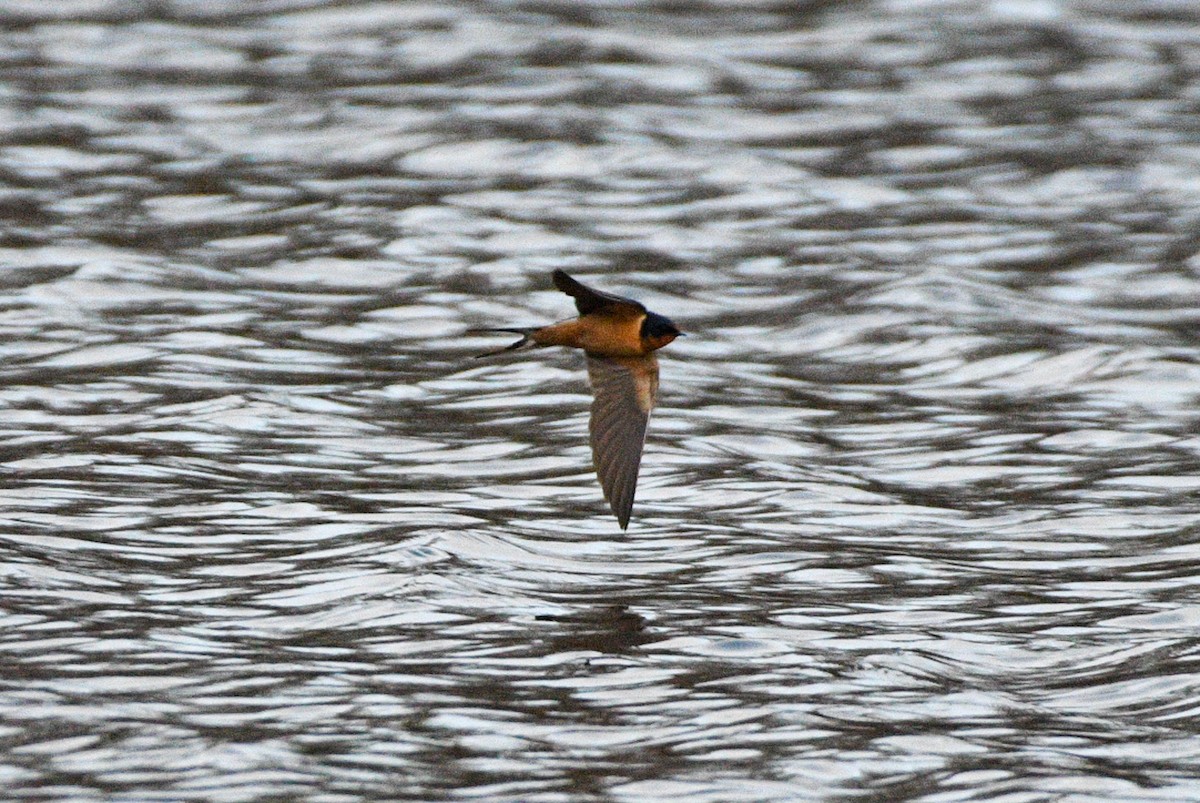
[588,300]
[625,389]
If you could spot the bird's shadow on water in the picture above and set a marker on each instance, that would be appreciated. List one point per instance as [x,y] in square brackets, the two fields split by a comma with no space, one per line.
[607,629]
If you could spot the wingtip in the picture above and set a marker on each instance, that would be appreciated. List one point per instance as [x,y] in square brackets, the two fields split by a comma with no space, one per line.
[623,514]
[563,281]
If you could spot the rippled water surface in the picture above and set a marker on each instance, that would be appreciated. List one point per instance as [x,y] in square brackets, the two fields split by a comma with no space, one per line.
[919,510]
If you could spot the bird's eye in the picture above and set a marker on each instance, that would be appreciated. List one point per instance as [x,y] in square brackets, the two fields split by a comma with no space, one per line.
[658,326]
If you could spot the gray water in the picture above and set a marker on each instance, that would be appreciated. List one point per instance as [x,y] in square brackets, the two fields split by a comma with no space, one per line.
[918,517]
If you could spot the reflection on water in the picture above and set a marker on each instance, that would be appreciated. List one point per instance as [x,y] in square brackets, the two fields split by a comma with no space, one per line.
[917,517]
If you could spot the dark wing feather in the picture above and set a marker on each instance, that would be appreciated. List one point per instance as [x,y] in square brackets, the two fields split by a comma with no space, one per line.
[588,300]
[625,389]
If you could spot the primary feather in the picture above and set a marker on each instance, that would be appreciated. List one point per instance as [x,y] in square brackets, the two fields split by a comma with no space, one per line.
[588,300]
[625,389]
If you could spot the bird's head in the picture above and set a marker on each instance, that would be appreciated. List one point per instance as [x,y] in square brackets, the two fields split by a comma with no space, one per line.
[658,331]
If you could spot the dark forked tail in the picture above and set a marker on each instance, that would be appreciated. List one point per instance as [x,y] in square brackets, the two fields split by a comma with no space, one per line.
[526,341]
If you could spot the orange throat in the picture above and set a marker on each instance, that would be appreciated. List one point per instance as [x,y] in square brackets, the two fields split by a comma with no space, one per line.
[655,343]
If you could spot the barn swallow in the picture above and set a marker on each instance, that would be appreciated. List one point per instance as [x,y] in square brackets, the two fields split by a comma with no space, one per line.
[619,336]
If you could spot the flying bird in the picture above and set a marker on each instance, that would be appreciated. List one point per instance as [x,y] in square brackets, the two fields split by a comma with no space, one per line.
[619,336]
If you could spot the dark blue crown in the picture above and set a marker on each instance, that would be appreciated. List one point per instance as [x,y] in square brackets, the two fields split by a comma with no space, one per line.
[656,325]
